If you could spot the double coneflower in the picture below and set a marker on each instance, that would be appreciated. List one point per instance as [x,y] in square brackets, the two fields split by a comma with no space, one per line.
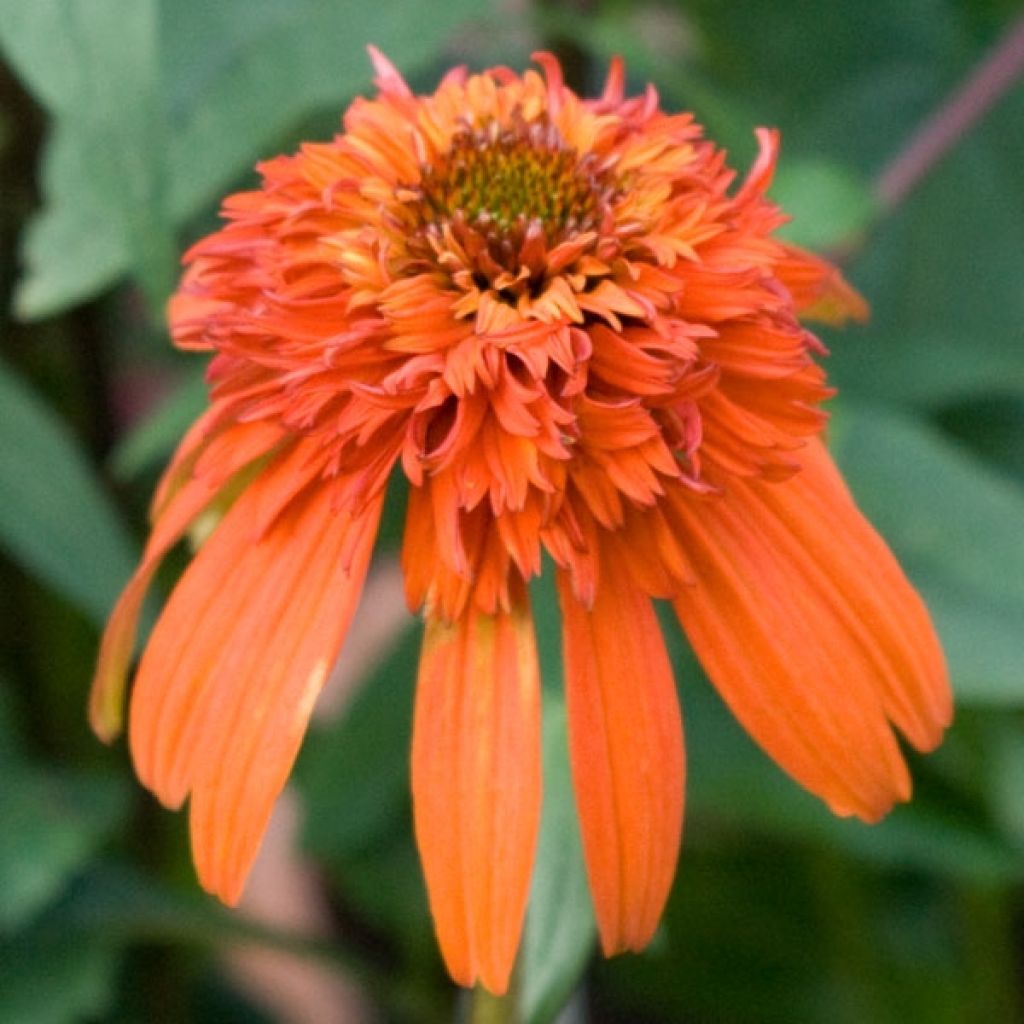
[574,336]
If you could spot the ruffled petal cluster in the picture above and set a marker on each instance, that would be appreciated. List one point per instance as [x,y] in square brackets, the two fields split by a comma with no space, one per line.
[573,332]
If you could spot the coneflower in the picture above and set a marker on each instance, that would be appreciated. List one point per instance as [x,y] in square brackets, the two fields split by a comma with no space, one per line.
[573,335]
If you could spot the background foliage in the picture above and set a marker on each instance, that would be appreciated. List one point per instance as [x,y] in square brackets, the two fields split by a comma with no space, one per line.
[122,122]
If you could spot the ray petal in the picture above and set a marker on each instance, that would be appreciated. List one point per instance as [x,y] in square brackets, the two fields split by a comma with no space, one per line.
[626,744]
[476,785]
[812,634]
[181,502]
[235,662]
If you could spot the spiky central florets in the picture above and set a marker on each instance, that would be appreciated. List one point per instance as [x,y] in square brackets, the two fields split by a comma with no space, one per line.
[502,178]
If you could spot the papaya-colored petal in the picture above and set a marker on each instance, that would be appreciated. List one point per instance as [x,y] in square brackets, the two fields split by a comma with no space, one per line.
[626,744]
[819,290]
[184,495]
[230,674]
[763,170]
[812,634]
[476,785]
[884,611]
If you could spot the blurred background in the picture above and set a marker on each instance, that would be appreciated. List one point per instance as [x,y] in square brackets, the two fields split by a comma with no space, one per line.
[122,124]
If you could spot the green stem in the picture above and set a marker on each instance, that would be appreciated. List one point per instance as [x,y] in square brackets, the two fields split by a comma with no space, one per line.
[487,1008]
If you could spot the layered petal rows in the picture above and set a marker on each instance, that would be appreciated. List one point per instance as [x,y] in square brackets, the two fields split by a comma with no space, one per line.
[578,339]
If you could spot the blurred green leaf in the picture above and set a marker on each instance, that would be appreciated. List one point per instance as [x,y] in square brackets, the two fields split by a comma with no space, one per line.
[152,441]
[846,80]
[1006,749]
[560,932]
[53,821]
[237,91]
[354,772]
[94,66]
[956,526]
[947,265]
[55,979]
[159,106]
[932,839]
[113,904]
[828,203]
[59,969]
[735,791]
[926,368]
[55,519]
[993,429]
[11,742]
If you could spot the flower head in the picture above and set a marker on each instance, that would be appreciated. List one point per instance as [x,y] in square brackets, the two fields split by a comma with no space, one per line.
[575,335]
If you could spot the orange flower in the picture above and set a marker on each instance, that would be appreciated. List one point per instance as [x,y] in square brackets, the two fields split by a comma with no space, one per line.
[574,336]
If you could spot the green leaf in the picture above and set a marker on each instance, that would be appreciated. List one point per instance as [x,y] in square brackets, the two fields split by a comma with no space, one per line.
[828,203]
[925,368]
[12,746]
[94,66]
[60,969]
[560,931]
[55,519]
[1006,761]
[238,90]
[946,265]
[53,822]
[117,905]
[956,526]
[152,440]
[54,979]
[157,107]
[354,772]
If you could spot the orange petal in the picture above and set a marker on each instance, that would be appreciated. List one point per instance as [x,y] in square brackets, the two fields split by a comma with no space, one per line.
[476,785]
[181,502]
[812,634]
[763,170]
[819,290]
[236,660]
[626,742]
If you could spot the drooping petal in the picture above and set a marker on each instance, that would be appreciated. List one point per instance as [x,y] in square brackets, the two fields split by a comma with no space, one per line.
[236,660]
[626,743]
[238,447]
[476,785]
[893,620]
[819,290]
[812,634]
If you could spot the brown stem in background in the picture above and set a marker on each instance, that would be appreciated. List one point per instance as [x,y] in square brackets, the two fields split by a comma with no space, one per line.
[988,82]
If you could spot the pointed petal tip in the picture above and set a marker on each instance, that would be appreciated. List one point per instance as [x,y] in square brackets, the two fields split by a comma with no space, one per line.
[230,894]
[386,76]
[106,718]
[497,984]
[615,83]
[759,178]
[615,941]
[106,697]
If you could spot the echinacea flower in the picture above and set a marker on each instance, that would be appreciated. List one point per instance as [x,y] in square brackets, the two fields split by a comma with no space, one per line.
[574,336]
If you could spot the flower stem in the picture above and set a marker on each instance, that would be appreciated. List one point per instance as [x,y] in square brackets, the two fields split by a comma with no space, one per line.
[487,1008]
[967,105]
